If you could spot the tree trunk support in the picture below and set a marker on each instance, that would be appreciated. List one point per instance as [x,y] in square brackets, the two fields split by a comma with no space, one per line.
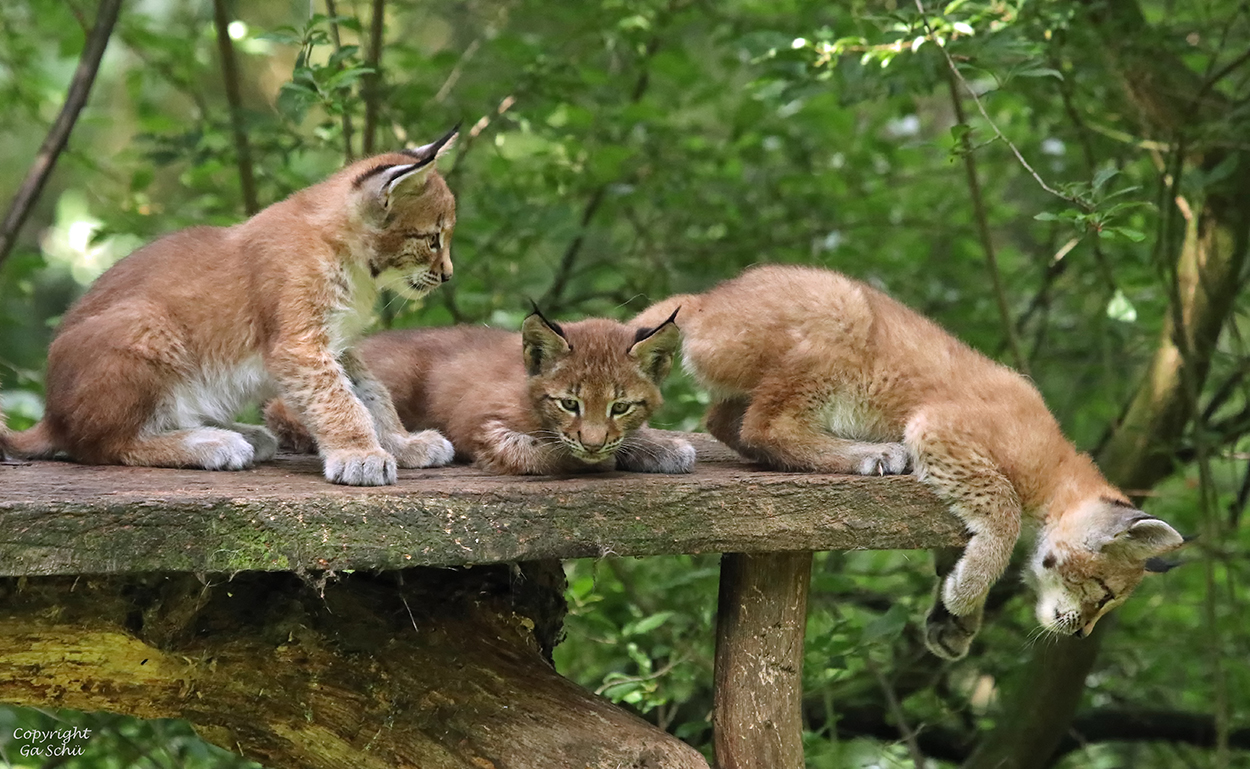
[761,621]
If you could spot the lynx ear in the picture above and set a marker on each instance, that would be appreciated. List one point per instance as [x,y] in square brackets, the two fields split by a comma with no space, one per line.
[436,149]
[655,347]
[542,344]
[1137,536]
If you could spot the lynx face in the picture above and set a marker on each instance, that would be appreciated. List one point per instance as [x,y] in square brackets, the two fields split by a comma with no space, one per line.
[1080,578]
[596,381]
[410,215]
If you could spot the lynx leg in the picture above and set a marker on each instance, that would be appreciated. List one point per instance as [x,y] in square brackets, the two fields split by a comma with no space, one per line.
[724,422]
[209,448]
[987,504]
[648,451]
[427,448]
[947,635]
[315,386]
[785,431]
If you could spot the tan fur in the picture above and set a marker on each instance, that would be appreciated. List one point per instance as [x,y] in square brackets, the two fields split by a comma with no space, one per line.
[472,384]
[811,370]
[152,364]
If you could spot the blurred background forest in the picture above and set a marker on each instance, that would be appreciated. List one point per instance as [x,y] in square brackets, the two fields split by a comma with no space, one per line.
[1063,185]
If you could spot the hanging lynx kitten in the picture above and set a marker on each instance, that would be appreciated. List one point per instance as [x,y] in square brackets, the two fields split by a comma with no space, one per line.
[810,370]
[151,366]
[552,399]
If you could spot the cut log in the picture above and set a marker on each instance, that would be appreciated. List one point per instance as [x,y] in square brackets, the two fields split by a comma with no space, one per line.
[425,668]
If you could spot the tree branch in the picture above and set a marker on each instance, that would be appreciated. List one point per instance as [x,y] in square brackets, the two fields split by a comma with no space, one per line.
[373,80]
[58,135]
[983,230]
[230,73]
[332,12]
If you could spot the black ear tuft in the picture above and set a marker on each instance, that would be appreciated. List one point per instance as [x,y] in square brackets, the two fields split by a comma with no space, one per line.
[1160,566]
[643,333]
[551,324]
[428,152]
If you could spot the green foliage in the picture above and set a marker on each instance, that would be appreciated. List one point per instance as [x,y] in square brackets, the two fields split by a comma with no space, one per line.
[617,151]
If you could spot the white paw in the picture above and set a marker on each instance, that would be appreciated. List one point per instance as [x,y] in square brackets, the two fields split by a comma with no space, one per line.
[427,448]
[679,459]
[885,459]
[356,467]
[675,456]
[220,449]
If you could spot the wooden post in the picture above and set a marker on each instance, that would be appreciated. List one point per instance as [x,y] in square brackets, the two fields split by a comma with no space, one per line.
[761,622]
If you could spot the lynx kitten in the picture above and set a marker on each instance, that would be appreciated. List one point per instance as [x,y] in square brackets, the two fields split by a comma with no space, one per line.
[151,366]
[552,399]
[810,370]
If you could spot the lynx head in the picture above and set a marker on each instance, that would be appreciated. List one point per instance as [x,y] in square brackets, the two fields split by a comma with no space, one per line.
[409,214]
[1089,560]
[593,382]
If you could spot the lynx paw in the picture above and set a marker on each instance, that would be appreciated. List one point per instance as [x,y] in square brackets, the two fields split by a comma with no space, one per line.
[356,467]
[885,459]
[264,444]
[676,456]
[947,635]
[427,448]
[215,449]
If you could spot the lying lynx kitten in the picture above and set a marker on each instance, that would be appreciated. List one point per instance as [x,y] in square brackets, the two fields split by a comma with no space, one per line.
[151,366]
[552,399]
[811,370]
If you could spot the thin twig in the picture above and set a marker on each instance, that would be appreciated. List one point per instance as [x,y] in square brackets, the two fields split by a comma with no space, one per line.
[896,709]
[58,135]
[230,73]
[564,273]
[373,78]
[983,230]
[332,12]
[950,63]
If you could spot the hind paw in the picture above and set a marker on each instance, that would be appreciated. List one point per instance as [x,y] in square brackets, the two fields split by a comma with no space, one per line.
[219,450]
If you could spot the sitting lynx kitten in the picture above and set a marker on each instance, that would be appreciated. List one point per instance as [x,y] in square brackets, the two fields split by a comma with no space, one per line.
[151,366]
[552,399]
[811,370]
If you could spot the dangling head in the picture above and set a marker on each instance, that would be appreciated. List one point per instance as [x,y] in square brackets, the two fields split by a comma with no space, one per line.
[409,214]
[1087,562]
[594,381]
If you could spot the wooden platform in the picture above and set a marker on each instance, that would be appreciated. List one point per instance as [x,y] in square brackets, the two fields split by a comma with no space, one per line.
[63,518]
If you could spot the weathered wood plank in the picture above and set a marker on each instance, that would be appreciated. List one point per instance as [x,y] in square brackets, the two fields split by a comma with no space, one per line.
[61,518]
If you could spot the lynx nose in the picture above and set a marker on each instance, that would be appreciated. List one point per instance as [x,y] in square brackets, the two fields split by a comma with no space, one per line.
[445,274]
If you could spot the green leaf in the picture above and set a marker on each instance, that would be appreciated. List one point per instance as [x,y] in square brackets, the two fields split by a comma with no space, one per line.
[1121,309]
[888,626]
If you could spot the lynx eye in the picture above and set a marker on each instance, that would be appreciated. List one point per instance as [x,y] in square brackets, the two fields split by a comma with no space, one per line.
[435,240]
[569,404]
[620,408]
[1108,597]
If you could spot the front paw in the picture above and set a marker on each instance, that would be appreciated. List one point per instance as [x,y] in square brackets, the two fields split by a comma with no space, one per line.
[947,635]
[885,459]
[360,467]
[427,448]
[675,456]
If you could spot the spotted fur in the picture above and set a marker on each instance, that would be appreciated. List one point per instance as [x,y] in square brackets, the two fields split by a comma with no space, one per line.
[552,399]
[811,370]
[152,364]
